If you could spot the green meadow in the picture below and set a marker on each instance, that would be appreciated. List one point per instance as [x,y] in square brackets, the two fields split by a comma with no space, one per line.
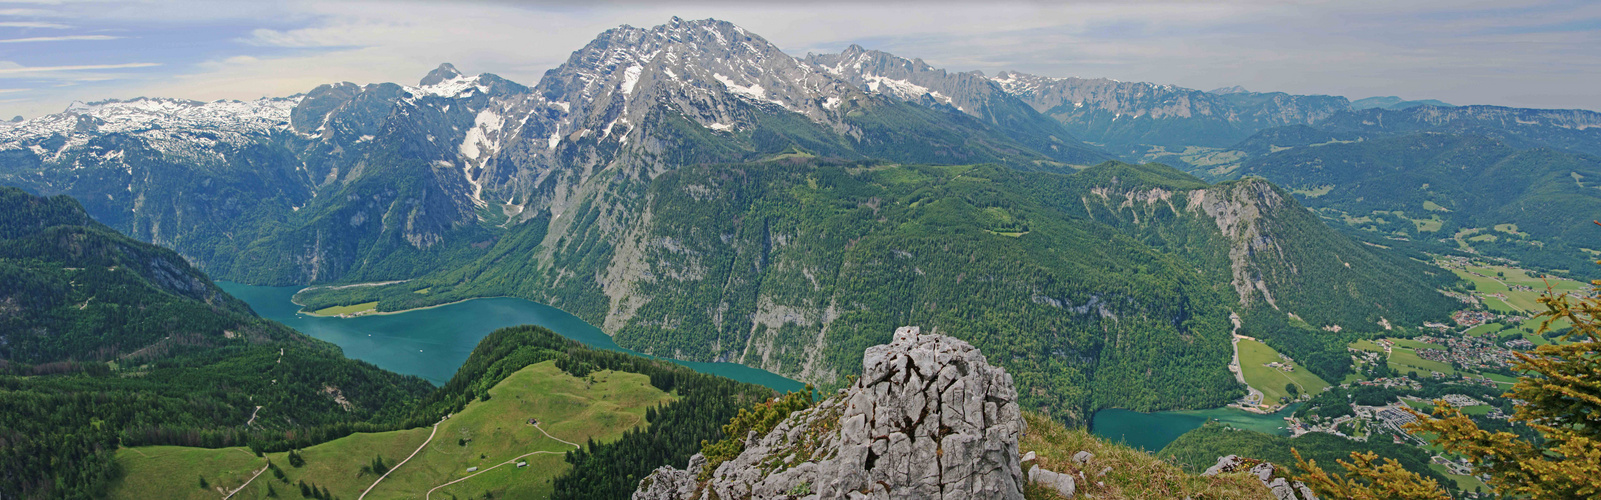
[491,435]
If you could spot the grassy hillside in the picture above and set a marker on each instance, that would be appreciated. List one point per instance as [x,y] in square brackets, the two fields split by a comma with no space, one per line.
[491,435]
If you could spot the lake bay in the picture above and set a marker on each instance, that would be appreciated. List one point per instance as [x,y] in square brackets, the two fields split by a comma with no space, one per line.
[432,343]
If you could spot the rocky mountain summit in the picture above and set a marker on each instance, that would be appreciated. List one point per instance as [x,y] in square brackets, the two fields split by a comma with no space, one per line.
[929,418]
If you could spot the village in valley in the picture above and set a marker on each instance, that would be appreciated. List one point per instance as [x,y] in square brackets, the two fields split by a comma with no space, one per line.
[1467,363]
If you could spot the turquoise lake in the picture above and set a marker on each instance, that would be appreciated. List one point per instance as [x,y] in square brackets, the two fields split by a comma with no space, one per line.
[433,343]
[1153,431]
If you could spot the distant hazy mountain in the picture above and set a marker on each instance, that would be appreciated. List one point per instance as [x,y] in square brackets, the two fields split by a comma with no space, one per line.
[1393,102]
[1129,117]
[1571,129]
[1233,89]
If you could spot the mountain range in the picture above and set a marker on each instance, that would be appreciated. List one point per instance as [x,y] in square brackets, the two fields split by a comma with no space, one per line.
[699,194]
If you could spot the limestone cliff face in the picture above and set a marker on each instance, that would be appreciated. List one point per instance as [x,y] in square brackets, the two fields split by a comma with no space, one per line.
[929,418]
[1242,211]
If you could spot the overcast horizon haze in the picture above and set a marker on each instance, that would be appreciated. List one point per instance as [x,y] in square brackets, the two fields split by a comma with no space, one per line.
[1544,54]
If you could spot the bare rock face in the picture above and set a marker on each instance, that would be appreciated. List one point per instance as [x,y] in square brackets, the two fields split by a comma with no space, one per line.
[929,418]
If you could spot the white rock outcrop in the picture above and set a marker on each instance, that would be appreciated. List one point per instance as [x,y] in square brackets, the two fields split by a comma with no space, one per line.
[929,418]
[1283,489]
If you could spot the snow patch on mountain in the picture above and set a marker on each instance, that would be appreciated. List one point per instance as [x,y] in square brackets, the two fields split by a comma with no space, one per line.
[142,114]
[631,78]
[484,136]
[901,88]
[460,86]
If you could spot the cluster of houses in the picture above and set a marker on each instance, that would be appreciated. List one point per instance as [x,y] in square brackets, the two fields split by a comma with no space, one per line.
[1469,319]
[1468,351]
[1392,382]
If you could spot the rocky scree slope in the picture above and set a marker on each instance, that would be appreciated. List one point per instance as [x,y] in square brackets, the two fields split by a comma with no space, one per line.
[930,418]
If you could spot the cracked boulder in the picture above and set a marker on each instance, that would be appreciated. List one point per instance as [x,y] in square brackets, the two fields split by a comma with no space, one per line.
[929,418]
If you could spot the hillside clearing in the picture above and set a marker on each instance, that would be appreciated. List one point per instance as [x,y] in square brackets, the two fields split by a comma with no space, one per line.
[600,406]
[1254,357]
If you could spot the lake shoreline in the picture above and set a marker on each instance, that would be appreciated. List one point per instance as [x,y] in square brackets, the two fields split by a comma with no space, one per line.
[433,341]
[1153,431]
[376,312]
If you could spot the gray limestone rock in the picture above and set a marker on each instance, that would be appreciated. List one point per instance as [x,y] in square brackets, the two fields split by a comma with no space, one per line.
[1083,457]
[929,418]
[1063,484]
[1283,489]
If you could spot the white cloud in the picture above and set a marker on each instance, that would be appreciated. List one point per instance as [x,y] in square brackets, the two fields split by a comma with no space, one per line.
[29,13]
[59,38]
[32,24]
[13,68]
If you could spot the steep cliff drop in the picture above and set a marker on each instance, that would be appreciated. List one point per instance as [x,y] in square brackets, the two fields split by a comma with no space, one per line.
[929,418]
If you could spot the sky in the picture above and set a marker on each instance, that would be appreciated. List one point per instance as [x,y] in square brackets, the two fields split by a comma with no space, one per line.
[1542,54]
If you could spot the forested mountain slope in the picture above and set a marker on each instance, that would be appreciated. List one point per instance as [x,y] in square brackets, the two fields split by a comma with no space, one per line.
[1087,282]
[1450,191]
[106,341]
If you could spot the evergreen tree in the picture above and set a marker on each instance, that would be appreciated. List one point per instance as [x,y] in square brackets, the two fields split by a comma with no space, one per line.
[1562,402]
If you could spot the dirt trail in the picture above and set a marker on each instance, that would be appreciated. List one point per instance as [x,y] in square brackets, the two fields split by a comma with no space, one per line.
[430,494]
[247,482]
[547,434]
[403,462]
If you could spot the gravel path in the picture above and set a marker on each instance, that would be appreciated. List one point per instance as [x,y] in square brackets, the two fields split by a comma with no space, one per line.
[247,483]
[430,494]
[403,462]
